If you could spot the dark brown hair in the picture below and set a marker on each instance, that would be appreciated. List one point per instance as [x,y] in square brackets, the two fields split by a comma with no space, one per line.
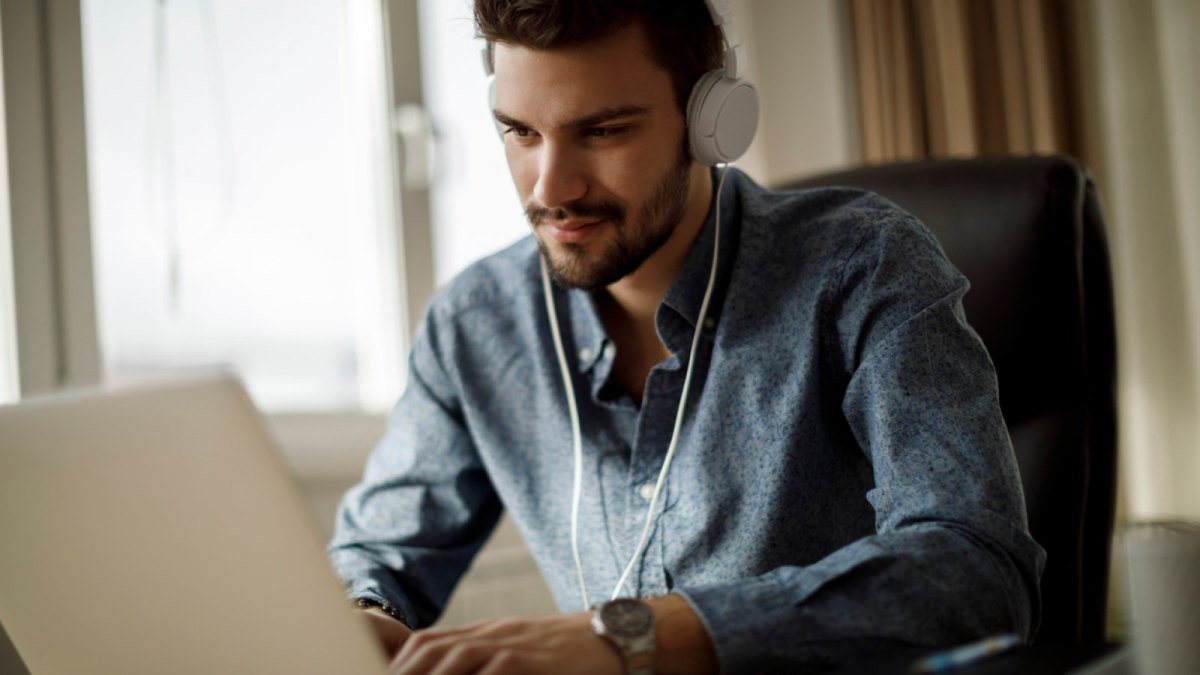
[683,39]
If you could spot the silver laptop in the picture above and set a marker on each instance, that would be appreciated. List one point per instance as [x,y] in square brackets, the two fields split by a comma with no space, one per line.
[156,529]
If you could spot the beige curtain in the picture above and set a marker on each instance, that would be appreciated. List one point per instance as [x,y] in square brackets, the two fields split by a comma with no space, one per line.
[1140,118]
[961,77]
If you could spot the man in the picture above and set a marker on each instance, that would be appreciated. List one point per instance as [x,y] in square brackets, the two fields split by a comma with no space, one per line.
[844,482]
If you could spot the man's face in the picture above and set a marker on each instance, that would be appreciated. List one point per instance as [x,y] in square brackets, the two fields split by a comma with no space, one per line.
[595,143]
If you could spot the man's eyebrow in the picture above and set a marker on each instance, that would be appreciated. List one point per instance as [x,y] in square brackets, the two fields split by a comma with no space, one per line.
[606,115]
[589,120]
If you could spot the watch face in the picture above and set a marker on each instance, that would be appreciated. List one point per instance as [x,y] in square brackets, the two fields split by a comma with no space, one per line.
[626,618]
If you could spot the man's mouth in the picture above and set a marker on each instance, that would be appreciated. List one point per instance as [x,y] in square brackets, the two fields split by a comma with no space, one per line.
[572,231]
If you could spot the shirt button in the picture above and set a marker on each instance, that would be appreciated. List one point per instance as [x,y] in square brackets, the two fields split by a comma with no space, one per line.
[710,323]
[646,491]
[610,351]
[585,355]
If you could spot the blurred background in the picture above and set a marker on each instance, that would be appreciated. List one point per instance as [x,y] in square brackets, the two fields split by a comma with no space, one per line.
[277,188]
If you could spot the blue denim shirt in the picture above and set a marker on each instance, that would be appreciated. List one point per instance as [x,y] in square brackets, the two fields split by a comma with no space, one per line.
[844,482]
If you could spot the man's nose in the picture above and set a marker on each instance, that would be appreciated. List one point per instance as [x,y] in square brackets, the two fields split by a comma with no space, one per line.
[561,176]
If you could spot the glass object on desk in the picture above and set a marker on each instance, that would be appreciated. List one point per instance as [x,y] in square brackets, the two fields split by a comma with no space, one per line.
[1163,563]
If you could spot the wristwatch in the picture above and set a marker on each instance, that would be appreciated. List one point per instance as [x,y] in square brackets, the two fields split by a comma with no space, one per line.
[628,624]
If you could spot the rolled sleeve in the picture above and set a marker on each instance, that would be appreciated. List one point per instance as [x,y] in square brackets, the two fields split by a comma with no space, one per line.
[425,506]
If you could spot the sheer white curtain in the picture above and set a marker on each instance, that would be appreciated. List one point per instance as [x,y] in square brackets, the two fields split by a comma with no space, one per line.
[1141,113]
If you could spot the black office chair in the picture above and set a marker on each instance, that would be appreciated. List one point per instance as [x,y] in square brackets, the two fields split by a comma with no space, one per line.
[1028,234]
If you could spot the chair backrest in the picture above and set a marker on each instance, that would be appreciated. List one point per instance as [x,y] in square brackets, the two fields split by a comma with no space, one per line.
[1028,234]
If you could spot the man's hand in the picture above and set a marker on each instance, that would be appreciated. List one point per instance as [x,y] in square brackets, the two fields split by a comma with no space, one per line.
[554,644]
[391,633]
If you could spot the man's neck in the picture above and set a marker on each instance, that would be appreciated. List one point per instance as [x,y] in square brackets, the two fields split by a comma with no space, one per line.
[639,294]
[628,306]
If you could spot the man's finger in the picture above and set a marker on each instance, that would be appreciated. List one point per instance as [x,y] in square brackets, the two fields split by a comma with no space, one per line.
[469,657]
[442,655]
[512,662]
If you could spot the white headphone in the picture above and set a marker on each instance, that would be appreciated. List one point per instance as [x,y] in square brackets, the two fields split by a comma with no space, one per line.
[722,110]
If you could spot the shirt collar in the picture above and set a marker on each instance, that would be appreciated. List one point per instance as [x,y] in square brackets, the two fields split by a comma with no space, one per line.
[686,294]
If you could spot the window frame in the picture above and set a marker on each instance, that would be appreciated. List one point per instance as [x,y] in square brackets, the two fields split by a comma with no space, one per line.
[46,159]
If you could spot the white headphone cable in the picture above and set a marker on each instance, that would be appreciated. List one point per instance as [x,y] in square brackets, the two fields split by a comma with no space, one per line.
[683,397]
[552,315]
[574,411]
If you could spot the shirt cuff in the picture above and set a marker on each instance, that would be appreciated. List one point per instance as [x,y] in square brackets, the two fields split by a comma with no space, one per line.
[735,614]
[367,602]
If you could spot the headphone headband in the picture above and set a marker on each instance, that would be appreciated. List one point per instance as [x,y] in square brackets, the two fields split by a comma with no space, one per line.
[735,53]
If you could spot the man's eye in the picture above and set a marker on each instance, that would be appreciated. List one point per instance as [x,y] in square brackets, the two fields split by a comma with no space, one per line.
[519,132]
[603,132]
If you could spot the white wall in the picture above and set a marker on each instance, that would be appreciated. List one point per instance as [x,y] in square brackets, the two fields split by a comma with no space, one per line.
[800,61]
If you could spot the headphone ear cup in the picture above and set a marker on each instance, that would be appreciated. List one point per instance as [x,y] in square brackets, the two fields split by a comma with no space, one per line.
[722,117]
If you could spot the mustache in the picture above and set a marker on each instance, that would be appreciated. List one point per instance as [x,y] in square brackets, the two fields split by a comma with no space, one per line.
[602,210]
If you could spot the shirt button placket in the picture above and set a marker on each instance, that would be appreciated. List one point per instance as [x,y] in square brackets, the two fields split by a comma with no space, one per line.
[653,579]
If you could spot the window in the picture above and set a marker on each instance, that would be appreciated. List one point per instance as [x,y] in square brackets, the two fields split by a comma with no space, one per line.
[475,208]
[243,204]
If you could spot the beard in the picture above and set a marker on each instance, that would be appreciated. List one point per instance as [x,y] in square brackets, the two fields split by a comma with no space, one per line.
[633,243]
